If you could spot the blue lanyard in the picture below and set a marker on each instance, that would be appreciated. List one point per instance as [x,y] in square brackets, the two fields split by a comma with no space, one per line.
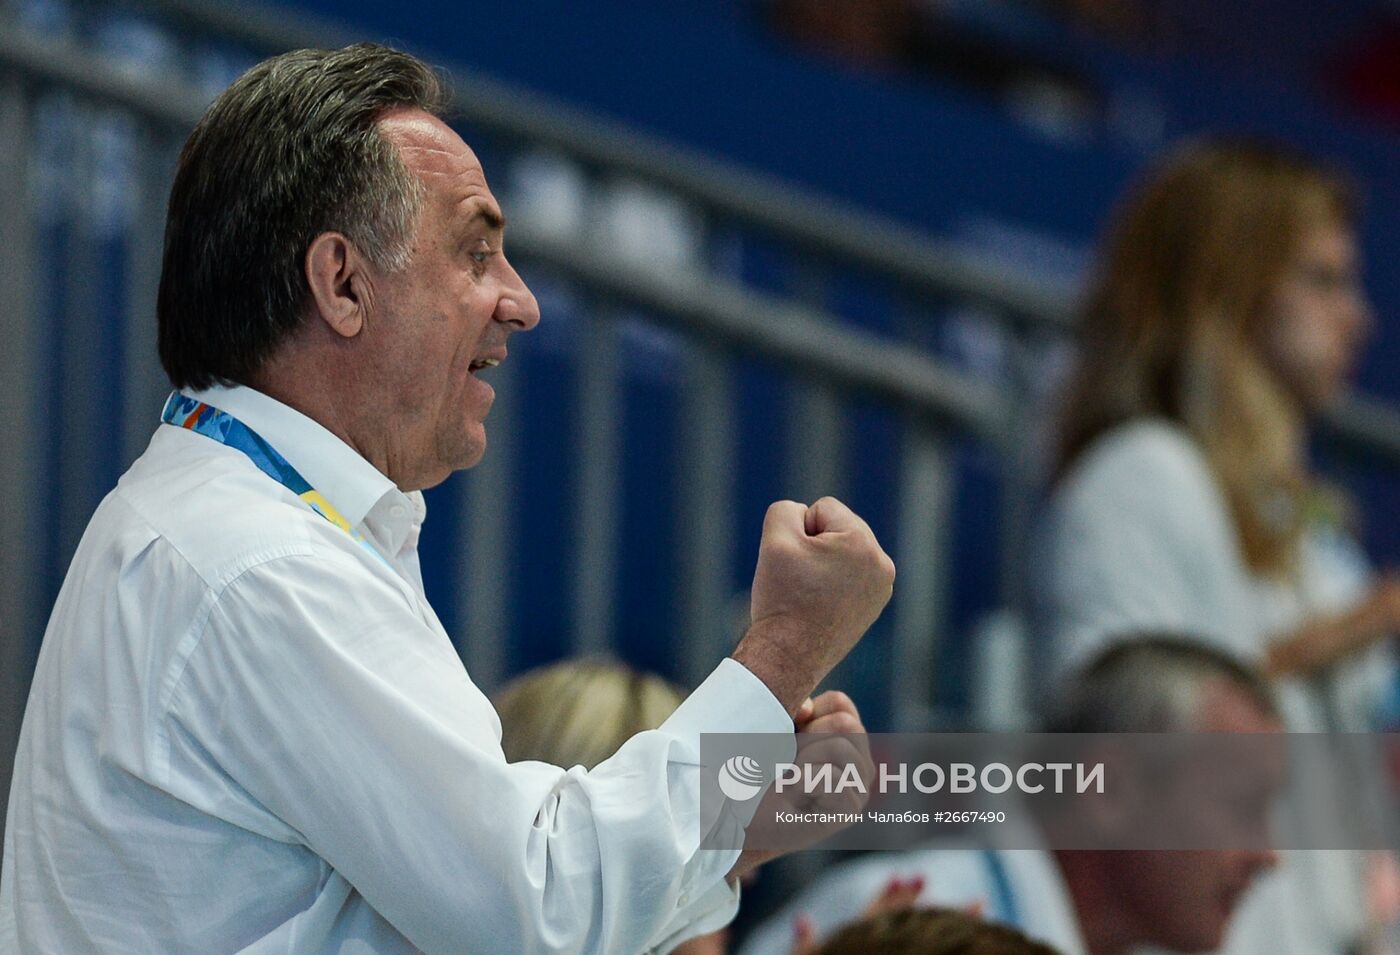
[1001,885]
[185,412]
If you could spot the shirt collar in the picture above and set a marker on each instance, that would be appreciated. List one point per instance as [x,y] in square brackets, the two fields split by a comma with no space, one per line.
[329,465]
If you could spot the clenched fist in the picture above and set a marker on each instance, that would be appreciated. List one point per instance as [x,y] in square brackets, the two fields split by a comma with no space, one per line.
[821,581]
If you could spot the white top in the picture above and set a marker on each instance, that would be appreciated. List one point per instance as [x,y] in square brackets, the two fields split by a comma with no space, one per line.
[248,733]
[1138,537]
[1027,892]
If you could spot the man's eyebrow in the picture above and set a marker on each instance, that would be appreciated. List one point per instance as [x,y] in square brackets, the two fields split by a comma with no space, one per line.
[494,219]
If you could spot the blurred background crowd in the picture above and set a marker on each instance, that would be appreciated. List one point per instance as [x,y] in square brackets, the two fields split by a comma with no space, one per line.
[1088,306]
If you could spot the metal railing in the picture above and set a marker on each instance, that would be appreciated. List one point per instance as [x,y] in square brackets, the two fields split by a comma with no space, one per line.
[715,317]
[719,317]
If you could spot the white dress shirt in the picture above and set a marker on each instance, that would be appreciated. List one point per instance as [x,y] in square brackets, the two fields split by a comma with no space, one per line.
[248,732]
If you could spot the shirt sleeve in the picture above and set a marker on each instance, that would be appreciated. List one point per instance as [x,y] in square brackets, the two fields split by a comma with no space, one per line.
[319,695]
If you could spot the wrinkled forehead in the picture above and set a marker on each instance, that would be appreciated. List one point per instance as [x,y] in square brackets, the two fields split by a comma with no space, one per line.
[434,152]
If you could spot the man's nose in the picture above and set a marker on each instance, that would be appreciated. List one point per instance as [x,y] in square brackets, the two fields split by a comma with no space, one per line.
[517,305]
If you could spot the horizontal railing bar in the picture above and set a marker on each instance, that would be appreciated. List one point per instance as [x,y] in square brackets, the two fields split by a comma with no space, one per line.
[909,255]
[1363,426]
[1359,425]
[60,63]
[771,327]
[733,317]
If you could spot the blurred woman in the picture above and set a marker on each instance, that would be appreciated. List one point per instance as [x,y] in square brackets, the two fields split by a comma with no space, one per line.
[1227,312]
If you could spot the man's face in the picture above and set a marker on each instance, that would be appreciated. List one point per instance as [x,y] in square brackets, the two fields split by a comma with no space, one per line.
[1182,900]
[446,316]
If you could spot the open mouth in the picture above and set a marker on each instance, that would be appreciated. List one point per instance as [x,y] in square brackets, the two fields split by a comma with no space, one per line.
[481,363]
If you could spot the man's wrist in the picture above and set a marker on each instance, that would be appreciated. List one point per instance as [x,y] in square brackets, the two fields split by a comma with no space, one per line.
[764,652]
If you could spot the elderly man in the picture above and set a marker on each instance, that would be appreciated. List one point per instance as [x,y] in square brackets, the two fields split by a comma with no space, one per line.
[1090,902]
[248,730]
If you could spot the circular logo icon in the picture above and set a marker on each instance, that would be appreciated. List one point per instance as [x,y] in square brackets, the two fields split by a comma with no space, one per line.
[741,778]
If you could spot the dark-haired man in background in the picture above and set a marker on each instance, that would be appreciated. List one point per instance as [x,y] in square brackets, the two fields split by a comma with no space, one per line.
[248,730]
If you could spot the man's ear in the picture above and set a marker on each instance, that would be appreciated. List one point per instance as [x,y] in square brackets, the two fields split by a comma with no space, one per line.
[339,281]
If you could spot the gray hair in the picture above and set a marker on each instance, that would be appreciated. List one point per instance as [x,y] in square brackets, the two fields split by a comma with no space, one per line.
[1150,683]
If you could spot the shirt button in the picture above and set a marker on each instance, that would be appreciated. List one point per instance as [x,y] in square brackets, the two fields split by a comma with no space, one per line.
[397,510]
[683,901]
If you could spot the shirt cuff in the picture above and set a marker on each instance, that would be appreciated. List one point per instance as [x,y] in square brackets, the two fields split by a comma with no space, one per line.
[731,700]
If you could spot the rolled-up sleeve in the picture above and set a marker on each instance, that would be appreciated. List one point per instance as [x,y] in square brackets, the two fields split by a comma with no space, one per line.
[326,711]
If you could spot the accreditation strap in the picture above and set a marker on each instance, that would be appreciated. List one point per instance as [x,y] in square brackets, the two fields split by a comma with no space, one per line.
[1007,909]
[203,418]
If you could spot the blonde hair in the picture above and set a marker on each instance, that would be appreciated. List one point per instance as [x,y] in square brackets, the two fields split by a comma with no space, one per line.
[1171,324]
[578,713]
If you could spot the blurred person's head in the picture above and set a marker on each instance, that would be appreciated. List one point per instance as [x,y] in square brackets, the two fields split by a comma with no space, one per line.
[580,712]
[1180,900]
[1159,683]
[930,931]
[1228,300]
